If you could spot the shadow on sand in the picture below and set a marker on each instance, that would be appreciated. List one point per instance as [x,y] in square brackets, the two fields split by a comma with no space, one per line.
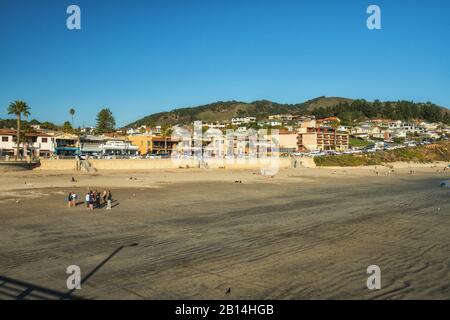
[12,289]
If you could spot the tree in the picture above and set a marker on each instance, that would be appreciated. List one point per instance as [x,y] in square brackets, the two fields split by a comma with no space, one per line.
[67,127]
[105,121]
[18,108]
[72,113]
[241,113]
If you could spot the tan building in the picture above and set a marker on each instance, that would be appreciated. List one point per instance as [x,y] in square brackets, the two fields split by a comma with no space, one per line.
[287,142]
[153,144]
[322,139]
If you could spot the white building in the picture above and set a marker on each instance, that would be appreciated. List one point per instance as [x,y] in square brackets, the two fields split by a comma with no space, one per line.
[281,117]
[406,126]
[7,144]
[36,144]
[244,120]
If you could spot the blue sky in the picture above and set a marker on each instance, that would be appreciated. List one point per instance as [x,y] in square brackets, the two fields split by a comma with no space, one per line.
[140,57]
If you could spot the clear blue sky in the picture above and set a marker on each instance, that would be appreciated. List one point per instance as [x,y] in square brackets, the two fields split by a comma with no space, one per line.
[140,57]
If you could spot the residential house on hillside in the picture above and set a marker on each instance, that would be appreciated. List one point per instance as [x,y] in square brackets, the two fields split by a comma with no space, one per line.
[270,123]
[242,120]
[281,117]
[409,127]
[327,121]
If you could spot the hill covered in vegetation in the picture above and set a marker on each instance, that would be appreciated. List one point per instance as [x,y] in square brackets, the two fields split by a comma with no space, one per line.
[422,154]
[349,110]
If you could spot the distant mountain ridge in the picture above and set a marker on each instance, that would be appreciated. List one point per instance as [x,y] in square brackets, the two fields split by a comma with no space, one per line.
[320,106]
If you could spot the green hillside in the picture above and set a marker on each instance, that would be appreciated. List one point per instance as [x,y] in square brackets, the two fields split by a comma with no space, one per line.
[349,110]
[225,110]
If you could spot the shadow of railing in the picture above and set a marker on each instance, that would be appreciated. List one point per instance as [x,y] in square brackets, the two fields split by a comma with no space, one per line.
[12,289]
[20,290]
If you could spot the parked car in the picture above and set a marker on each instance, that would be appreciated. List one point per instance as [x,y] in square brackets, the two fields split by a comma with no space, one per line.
[152,156]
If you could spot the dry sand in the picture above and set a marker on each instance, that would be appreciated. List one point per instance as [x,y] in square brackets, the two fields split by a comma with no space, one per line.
[303,234]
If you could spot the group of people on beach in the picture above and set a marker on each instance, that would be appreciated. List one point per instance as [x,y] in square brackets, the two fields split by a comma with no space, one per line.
[93,199]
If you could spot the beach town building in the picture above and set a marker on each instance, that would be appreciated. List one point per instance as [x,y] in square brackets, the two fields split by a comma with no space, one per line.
[133,131]
[270,123]
[242,120]
[66,144]
[407,126]
[35,143]
[91,145]
[342,128]
[287,142]
[322,139]
[210,125]
[87,130]
[118,146]
[7,142]
[236,144]
[327,121]
[281,117]
[431,135]
[430,126]
[39,144]
[152,144]
[106,146]
[307,122]
[215,125]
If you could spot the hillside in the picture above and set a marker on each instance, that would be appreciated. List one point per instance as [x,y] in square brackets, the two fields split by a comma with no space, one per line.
[225,110]
[423,154]
[349,110]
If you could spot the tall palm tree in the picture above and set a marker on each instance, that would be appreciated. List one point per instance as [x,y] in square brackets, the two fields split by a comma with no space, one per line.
[18,108]
[72,113]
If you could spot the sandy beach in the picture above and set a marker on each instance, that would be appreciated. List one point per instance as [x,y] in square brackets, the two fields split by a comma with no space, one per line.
[303,234]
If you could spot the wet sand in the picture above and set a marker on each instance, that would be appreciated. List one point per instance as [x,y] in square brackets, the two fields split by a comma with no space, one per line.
[304,234]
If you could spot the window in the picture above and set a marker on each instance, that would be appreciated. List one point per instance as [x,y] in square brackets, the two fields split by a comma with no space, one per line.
[5,139]
[44,140]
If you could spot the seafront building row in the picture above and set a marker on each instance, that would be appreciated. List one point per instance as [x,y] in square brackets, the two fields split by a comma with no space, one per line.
[294,134]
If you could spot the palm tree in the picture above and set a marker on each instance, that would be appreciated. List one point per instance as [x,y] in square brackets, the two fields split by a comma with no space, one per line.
[72,113]
[18,108]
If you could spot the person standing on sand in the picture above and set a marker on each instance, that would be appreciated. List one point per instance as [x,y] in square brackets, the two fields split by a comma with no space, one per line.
[69,200]
[97,199]
[109,200]
[74,199]
[91,201]
[104,194]
[86,199]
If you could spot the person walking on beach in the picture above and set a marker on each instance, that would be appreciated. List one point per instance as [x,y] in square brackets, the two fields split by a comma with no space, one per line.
[109,200]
